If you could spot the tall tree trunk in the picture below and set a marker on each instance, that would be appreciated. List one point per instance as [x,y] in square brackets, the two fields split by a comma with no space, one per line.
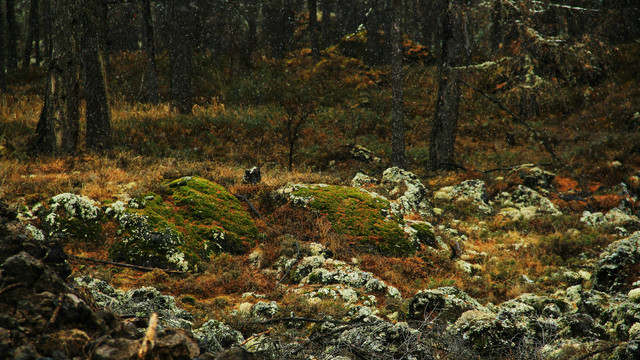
[313,30]
[326,26]
[397,111]
[180,53]
[443,133]
[151,83]
[98,135]
[252,34]
[32,33]
[3,83]
[57,129]
[12,34]
[45,10]
[373,51]
[497,29]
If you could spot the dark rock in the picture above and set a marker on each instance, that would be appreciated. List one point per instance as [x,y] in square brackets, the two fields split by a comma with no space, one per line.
[618,266]
[580,325]
[252,176]
[444,304]
[235,353]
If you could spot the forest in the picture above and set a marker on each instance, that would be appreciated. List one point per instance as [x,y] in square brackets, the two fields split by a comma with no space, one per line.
[320,179]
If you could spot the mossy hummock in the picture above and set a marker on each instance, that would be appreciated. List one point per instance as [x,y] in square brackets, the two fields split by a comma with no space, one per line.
[198,217]
[358,214]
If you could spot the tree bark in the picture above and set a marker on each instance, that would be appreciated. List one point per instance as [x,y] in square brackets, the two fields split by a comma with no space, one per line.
[443,133]
[57,129]
[180,53]
[32,33]
[11,36]
[98,136]
[373,54]
[3,83]
[151,84]
[397,111]
[326,26]
[313,30]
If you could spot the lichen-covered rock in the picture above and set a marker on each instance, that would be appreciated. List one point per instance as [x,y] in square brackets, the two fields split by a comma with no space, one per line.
[355,213]
[534,177]
[191,220]
[139,303]
[215,336]
[69,216]
[472,191]
[408,189]
[528,202]
[264,310]
[421,232]
[363,180]
[444,305]
[351,277]
[617,267]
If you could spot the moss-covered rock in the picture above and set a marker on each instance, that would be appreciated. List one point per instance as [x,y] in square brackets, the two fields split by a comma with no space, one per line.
[191,220]
[71,217]
[358,214]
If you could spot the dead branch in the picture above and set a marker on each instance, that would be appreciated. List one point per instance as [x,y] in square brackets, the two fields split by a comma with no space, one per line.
[10,287]
[290,266]
[518,119]
[130,266]
[149,338]
[244,198]
[298,319]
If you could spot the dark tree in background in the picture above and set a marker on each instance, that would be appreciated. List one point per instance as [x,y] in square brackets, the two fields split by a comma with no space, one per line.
[3,83]
[11,36]
[32,34]
[151,71]
[180,51]
[313,30]
[397,86]
[98,136]
[443,133]
[57,129]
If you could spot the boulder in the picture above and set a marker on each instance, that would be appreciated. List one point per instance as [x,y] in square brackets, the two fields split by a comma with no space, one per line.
[534,177]
[191,220]
[472,191]
[252,176]
[363,180]
[443,305]
[617,266]
[528,202]
[355,214]
[215,336]
[407,188]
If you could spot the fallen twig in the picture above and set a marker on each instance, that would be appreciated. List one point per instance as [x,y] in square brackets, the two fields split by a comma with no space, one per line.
[131,266]
[299,319]
[11,287]
[518,119]
[290,266]
[149,338]
[244,198]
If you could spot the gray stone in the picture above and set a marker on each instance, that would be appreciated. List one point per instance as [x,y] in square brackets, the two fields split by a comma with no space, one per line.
[215,336]
[443,305]
[407,187]
[613,270]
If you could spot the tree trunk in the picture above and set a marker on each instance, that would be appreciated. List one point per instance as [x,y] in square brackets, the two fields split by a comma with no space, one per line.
[151,84]
[326,26]
[497,30]
[252,35]
[57,129]
[3,83]
[98,135]
[180,53]
[45,10]
[32,33]
[373,53]
[313,30]
[11,35]
[397,111]
[445,123]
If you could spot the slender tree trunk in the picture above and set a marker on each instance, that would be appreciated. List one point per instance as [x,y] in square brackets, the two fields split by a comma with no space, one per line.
[397,111]
[57,129]
[326,26]
[3,83]
[497,30]
[45,10]
[313,30]
[445,123]
[98,135]
[252,35]
[32,33]
[12,34]
[373,52]
[180,52]
[151,84]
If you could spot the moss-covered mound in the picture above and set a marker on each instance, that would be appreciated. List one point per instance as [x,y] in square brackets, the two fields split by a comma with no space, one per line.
[192,219]
[358,214]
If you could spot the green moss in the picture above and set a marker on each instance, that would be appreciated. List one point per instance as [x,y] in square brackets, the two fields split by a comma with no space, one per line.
[355,213]
[194,217]
[425,234]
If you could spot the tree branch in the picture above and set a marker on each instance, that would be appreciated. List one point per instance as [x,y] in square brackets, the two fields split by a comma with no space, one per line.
[131,266]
